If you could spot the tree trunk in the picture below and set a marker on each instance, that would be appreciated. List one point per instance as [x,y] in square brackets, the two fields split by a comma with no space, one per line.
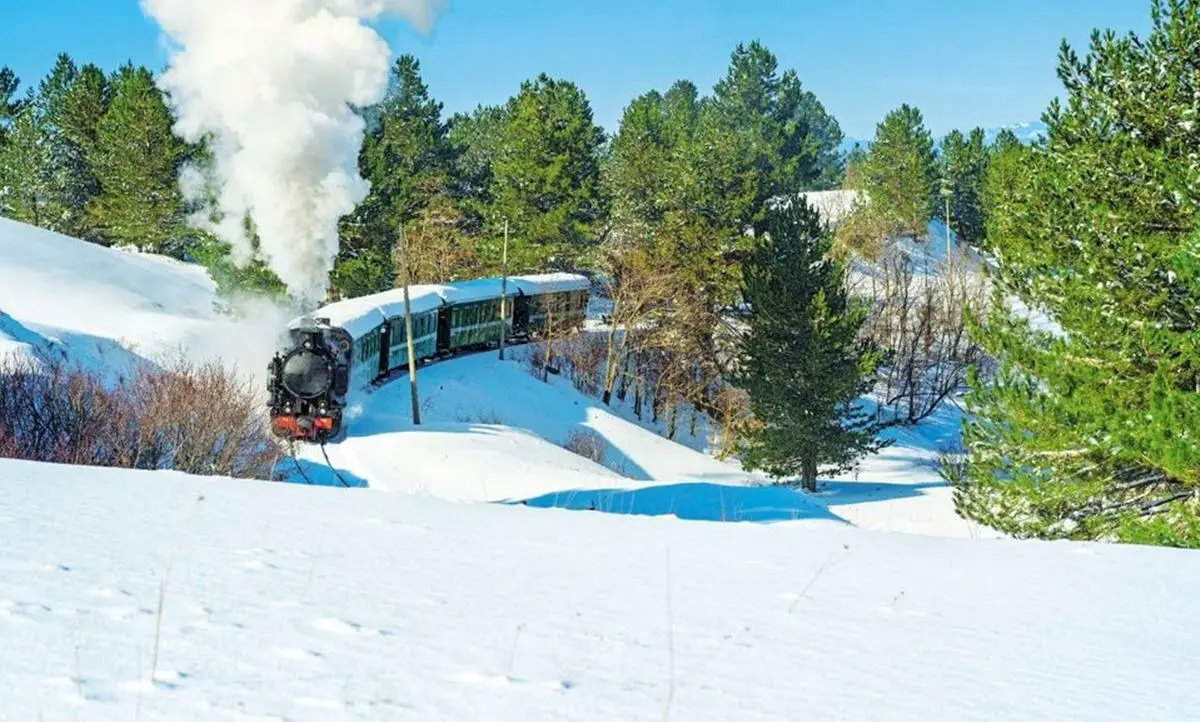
[808,480]
[612,365]
[623,386]
[639,386]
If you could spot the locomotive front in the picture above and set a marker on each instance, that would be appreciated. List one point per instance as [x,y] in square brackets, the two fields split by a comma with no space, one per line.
[308,386]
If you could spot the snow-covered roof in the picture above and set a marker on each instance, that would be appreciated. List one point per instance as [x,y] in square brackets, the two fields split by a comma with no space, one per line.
[476,290]
[551,283]
[360,315]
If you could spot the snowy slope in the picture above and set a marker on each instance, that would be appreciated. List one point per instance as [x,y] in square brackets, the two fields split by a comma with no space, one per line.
[85,298]
[105,308]
[283,602]
[474,406]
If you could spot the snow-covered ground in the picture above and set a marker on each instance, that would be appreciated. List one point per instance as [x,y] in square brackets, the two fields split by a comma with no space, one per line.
[104,308]
[485,572]
[251,601]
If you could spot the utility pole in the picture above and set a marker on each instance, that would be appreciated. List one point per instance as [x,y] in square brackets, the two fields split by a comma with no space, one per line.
[408,332]
[504,292]
[946,193]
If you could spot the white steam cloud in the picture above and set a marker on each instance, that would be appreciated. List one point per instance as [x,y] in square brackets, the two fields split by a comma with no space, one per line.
[270,83]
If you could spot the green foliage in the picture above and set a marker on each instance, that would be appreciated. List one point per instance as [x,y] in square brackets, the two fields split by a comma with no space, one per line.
[137,162]
[9,105]
[1090,432]
[406,158]
[802,362]
[255,278]
[545,174]
[899,173]
[962,166]
[46,169]
[1007,171]
[24,168]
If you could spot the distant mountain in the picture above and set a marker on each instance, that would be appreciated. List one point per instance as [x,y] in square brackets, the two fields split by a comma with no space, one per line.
[1025,132]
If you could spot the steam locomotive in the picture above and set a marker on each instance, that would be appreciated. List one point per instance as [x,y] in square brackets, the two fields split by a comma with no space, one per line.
[356,343]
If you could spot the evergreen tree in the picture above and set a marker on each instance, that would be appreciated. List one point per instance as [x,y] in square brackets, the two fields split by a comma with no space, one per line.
[406,158]
[899,173]
[1007,161]
[9,106]
[1089,433]
[962,166]
[546,175]
[474,140]
[25,184]
[137,162]
[69,104]
[770,136]
[802,362]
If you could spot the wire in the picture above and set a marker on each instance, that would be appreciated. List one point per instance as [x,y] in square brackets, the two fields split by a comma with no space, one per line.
[331,467]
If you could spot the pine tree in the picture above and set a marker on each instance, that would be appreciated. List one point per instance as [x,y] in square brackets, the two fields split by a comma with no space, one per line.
[1007,161]
[9,106]
[802,362]
[546,175]
[406,158]
[1089,431]
[25,183]
[137,165]
[899,174]
[962,165]
[781,138]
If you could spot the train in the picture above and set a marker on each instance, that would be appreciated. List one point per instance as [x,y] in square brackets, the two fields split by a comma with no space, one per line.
[358,343]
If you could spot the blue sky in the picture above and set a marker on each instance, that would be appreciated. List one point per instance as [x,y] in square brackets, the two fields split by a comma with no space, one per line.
[962,62]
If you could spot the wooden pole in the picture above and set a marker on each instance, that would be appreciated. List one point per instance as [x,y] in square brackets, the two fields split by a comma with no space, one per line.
[504,292]
[412,357]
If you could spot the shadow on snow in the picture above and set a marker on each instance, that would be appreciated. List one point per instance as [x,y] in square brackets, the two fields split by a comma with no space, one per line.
[693,501]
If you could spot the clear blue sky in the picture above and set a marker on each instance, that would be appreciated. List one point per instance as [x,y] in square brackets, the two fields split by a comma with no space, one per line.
[962,62]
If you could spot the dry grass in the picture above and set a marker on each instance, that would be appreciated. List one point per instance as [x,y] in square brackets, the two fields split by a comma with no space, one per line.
[586,444]
[198,419]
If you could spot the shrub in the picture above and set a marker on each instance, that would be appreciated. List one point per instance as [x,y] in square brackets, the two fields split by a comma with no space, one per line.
[198,419]
[586,444]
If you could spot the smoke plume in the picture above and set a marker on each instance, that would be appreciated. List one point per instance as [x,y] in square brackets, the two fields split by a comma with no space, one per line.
[270,84]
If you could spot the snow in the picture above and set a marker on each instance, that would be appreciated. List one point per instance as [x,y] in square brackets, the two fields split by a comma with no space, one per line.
[106,309]
[551,283]
[85,299]
[285,602]
[833,206]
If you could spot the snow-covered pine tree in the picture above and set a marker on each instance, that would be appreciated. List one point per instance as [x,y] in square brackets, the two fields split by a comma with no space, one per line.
[1092,430]
[802,361]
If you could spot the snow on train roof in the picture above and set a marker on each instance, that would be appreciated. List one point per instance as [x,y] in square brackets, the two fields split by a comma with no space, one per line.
[551,282]
[360,315]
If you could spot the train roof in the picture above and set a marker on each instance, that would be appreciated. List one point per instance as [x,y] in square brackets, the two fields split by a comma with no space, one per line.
[551,283]
[358,316]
